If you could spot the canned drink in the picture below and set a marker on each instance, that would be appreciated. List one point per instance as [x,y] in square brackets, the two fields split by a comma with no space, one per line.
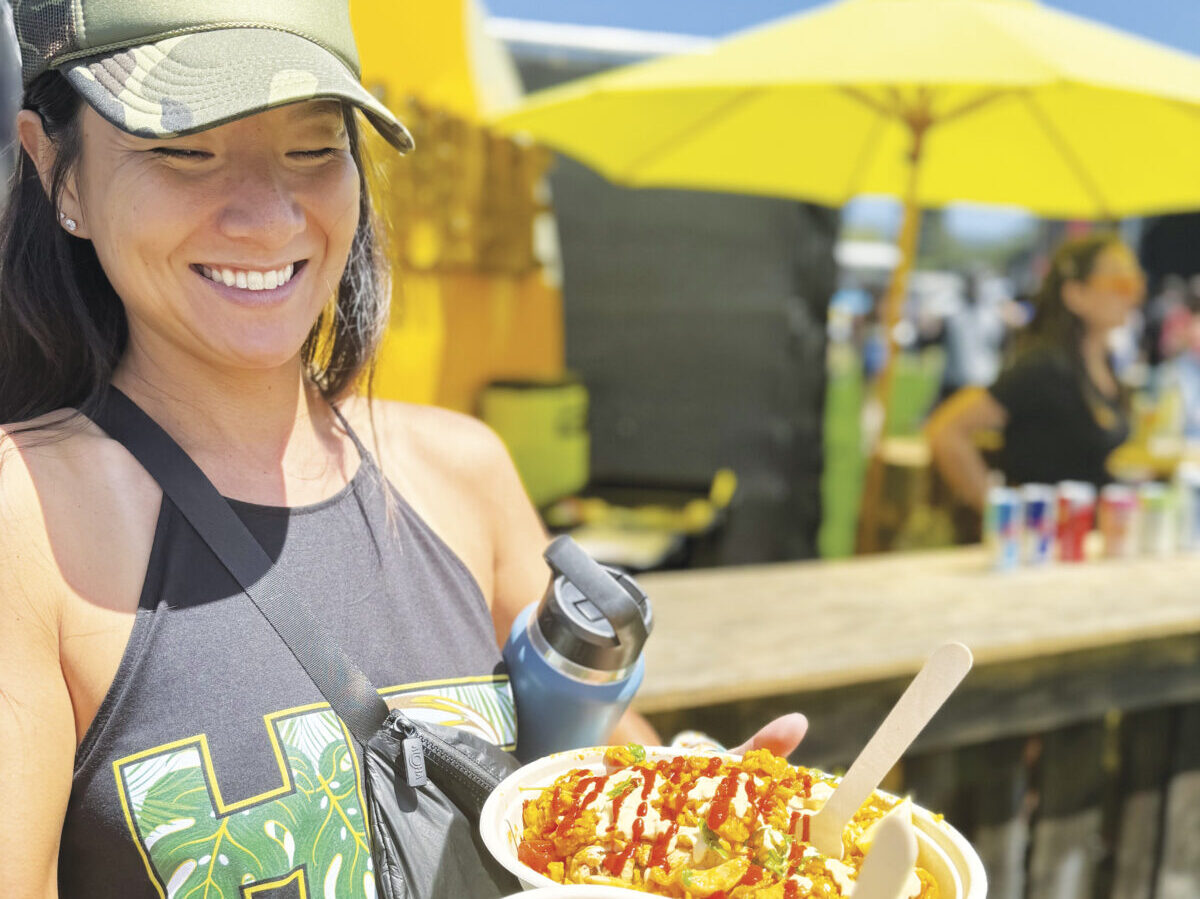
[1156,519]
[1040,517]
[1187,479]
[1002,527]
[1076,510]
[1118,521]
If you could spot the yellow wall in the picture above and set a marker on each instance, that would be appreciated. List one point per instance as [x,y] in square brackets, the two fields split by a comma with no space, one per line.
[459,319]
[451,334]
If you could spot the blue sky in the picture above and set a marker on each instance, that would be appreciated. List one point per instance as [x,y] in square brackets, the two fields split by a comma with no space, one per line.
[1172,22]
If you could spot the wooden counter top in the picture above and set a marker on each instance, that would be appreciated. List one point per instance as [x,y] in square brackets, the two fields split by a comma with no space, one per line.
[730,634]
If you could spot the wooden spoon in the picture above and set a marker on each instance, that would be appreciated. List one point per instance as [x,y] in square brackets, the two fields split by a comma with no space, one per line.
[892,857]
[932,686]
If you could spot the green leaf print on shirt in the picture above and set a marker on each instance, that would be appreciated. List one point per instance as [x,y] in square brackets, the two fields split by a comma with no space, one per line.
[311,827]
[197,851]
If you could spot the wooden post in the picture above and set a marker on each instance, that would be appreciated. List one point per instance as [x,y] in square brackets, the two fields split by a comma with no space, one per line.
[893,310]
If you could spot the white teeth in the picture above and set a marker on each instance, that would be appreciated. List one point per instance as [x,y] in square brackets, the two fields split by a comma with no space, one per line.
[248,279]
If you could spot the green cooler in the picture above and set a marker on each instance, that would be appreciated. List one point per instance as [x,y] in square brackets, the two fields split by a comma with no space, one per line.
[544,425]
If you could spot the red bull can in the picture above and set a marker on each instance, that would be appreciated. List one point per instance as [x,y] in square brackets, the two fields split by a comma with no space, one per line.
[1118,521]
[1002,528]
[1076,510]
[1040,517]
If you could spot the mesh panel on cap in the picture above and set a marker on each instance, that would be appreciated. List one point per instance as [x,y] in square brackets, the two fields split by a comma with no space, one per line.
[45,29]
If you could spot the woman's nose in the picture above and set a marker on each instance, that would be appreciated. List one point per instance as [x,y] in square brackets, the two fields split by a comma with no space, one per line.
[261,207]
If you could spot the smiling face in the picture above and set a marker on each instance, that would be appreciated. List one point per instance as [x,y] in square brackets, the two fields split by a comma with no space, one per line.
[224,245]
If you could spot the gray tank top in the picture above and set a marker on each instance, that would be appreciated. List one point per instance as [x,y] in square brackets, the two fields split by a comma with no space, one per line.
[214,768]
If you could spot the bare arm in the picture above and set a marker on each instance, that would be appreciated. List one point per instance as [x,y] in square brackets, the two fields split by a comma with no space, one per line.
[37,725]
[951,431]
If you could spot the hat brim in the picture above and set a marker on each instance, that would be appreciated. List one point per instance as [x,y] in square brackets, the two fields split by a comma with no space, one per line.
[191,82]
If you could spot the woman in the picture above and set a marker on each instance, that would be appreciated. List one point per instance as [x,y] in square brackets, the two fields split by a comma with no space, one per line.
[189,224]
[1058,401]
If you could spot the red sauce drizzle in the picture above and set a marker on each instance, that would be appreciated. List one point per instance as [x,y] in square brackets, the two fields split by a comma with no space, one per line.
[658,852]
[583,799]
[804,829]
[792,823]
[752,798]
[764,804]
[808,782]
[556,810]
[791,890]
[795,853]
[714,766]
[719,894]
[639,827]
[614,862]
[752,876]
[674,769]
[617,802]
[670,813]
[649,774]
[719,810]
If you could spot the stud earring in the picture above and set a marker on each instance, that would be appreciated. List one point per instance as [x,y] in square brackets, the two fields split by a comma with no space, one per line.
[69,223]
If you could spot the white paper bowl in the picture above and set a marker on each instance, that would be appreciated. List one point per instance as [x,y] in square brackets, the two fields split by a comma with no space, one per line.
[941,849]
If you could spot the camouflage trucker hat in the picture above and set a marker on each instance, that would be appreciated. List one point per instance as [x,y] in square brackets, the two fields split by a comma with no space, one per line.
[164,68]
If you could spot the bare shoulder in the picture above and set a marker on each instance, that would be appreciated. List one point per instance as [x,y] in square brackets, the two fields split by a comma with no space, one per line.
[431,439]
[31,470]
[457,473]
[63,452]
[70,499]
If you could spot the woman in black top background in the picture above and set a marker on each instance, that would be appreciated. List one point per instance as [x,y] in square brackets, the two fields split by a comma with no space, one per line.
[1057,400]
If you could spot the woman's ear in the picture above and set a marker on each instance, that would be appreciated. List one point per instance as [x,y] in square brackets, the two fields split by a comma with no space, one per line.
[41,150]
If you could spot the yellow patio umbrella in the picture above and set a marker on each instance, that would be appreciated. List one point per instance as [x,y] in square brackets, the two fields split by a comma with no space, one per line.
[931,101]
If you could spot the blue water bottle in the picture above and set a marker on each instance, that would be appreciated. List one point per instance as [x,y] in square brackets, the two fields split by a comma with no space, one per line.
[575,658]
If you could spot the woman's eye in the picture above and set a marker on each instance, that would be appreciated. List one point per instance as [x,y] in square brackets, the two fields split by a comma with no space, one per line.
[180,153]
[323,153]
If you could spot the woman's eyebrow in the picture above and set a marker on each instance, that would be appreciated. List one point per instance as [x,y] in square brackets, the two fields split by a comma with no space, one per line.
[329,109]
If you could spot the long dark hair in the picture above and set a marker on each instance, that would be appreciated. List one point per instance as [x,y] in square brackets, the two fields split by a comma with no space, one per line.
[1054,328]
[63,327]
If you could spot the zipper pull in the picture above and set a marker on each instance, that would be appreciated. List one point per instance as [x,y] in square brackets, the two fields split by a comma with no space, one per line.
[411,749]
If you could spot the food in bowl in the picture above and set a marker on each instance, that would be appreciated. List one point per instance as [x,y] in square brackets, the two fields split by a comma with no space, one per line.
[713,826]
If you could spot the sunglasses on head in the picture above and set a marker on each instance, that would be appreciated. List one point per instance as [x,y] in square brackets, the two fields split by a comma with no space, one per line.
[1124,283]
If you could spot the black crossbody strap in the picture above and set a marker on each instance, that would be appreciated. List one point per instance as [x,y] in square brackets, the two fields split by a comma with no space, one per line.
[351,695]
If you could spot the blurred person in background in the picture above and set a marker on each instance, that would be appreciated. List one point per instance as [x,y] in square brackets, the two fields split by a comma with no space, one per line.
[974,336]
[1176,381]
[1057,401]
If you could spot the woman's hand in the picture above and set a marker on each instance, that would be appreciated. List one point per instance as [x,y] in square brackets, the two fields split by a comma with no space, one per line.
[781,736]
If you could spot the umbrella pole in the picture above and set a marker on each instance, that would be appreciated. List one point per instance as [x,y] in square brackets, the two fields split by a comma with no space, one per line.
[893,311]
